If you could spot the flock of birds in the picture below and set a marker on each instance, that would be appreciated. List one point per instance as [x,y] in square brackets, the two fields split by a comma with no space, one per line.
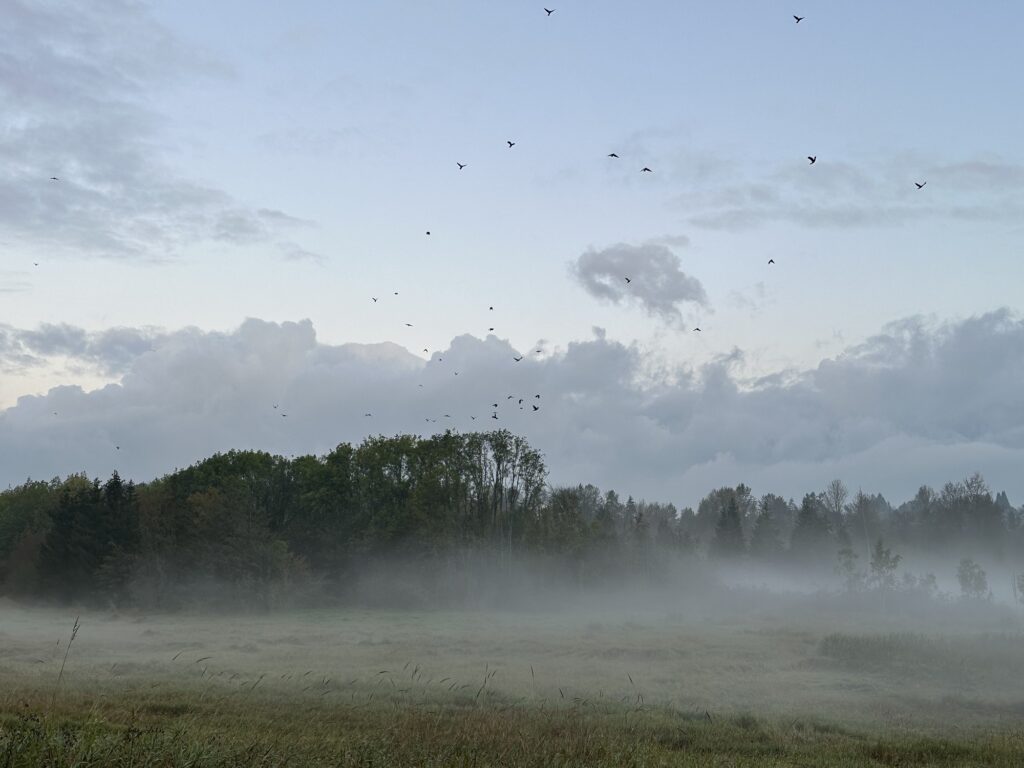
[812,160]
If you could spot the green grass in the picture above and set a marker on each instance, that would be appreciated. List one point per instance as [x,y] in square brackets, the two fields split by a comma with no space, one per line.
[262,733]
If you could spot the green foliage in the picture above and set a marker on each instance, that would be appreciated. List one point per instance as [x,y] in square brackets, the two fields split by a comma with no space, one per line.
[883,566]
[810,537]
[728,541]
[270,530]
[766,539]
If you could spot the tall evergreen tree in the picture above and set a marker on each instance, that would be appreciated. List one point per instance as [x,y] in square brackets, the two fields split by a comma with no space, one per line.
[810,540]
[728,541]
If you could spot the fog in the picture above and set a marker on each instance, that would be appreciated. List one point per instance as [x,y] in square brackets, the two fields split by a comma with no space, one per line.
[722,640]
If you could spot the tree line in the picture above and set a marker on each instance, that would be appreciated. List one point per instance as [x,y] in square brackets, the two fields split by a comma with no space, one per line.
[259,524]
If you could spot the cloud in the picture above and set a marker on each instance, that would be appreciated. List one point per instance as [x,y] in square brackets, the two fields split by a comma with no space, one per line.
[920,402]
[75,81]
[672,241]
[109,352]
[293,252]
[840,194]
[657,283]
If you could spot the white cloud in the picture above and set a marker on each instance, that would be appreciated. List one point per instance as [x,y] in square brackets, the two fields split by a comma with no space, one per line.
[918,403]
[75,80]
[648,275]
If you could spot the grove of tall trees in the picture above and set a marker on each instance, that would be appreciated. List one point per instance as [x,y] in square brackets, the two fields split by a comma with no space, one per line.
[257,525]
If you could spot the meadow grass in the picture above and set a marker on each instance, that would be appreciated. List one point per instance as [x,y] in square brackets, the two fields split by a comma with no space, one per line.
[370,688]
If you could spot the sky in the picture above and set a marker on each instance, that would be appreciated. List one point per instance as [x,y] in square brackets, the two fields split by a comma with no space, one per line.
[238,181]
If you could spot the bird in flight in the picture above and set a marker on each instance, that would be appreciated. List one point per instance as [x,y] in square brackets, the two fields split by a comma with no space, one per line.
[408,325]
[510,144]
[117,447]
[697,330]
[628,280]
[517,359]
[428,231]
[426,350]
[275,406]
[813,159]
[54,178]
[645,169]
[461,165]
[494,405]
[491,309]
[537,396]
[374,299]
[490,329]
[494,416]
[771,261]
[799,18]
[536,408]
[921,185]
[550,11]
[612,154]
[284,415]
[367,414]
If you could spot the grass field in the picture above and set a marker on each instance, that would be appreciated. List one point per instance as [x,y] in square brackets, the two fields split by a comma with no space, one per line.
[586,688]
